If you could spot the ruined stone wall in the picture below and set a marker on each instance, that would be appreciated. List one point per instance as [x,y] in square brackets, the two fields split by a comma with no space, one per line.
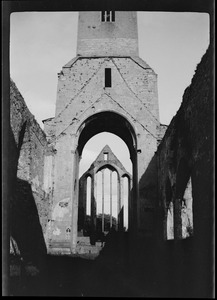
[30,204]
[184,263]
[82,82]
[187,146]
[185,171]
[81,94]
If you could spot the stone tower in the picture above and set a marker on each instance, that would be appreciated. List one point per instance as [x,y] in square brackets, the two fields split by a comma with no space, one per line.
[107,34]
[106,87]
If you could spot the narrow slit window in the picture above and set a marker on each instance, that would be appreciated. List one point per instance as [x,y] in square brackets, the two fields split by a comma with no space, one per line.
[108,79]
[107,16]
[103,16]
[106,156]
[113,16]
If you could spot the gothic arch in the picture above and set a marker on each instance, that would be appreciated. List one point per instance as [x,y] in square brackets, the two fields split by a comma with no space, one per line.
[107,121]
[110,166]
[113,122]
[112,163]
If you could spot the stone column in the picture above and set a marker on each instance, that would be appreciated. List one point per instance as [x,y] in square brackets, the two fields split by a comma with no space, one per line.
[121,191]
[129,202]
[120,204]
[134,216]
[74,195]
[81,204]
[93,210]
[85,198]
[65,189]
[146,147]
[110,199]
[103,200]
[95,198]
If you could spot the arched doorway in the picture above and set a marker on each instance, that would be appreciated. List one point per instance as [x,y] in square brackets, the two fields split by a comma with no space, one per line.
[115,123]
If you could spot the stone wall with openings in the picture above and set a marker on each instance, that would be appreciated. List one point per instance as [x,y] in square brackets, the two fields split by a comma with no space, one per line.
[185,155]
[184,214]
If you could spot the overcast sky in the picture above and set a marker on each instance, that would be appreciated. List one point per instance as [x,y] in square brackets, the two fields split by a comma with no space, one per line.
[42,42]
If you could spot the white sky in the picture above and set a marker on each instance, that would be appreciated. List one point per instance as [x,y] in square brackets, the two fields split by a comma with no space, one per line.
[42,42]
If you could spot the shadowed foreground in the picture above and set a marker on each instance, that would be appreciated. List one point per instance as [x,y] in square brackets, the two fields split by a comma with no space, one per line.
[144,270]
[108,275]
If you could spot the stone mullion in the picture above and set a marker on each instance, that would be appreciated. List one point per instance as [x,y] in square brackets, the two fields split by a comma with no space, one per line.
[121,191]
[85,199]
[118,208]
[93,209]
[110,199]
[74,195]
[102,200]
[119,203]
[129,201]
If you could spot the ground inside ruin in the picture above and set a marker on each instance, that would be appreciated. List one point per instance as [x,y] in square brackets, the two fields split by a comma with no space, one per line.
[112,274]
[106,275]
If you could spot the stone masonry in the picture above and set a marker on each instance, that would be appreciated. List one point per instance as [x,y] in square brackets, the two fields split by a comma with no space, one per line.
[32,193]
[84,102]
[186,151]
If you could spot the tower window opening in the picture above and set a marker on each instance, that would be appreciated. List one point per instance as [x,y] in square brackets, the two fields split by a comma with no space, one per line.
[107,16]
[105,156]
[113,16]
[108,81]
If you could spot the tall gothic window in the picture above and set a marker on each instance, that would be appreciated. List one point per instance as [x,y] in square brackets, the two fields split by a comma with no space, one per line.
[108,16]
[105,156]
